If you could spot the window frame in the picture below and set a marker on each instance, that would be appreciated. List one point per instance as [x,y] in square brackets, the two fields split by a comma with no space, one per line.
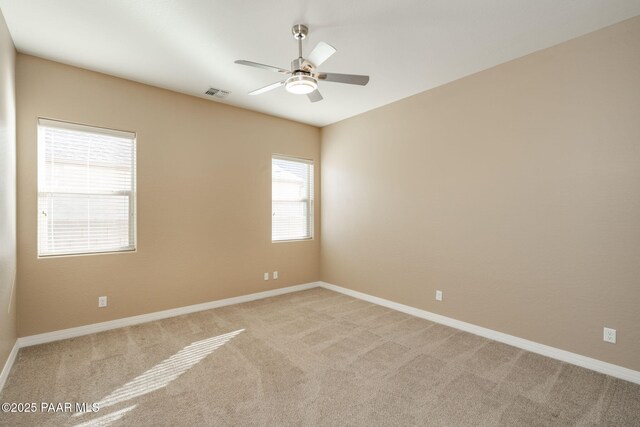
[310,200]
[43,122]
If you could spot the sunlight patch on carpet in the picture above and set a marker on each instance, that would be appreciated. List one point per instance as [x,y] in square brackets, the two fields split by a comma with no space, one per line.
[166,371]
[108,419]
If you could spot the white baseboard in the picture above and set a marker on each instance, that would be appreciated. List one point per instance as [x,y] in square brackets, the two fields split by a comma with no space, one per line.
[149,317]
[9,364]
[545,350]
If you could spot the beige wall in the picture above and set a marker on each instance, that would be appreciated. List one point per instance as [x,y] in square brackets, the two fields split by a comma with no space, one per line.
[7,194]
[204,201]
[516,191]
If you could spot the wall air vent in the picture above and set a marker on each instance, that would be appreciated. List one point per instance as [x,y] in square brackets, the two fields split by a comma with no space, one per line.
[217,93]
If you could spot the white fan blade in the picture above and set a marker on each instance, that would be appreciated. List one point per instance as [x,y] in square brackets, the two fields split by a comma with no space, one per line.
[264,67]
[321,53]
[315,96]
[267,88]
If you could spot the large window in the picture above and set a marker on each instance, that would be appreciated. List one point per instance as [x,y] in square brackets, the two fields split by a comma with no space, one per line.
[86,189]
[292,198]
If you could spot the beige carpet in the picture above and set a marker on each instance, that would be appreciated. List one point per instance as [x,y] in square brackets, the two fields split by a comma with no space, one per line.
[308,358]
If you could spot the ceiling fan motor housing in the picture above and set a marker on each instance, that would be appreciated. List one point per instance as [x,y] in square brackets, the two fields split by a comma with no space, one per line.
[301,64]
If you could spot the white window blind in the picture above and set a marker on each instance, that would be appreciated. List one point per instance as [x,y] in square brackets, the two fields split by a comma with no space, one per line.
[291,198]
[86,189]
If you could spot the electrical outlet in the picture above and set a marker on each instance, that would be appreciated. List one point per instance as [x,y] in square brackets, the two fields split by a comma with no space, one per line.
[102,302]
[266,276]
[438,295]
[609,335]
[275,275]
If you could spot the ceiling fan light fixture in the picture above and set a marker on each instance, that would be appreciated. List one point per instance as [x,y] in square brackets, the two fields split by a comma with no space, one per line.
[301,84]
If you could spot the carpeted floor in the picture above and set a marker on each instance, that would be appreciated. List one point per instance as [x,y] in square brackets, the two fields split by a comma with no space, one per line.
[308,358]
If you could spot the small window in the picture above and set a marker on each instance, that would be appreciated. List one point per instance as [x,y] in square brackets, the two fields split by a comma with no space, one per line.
[291,198]
[86,189]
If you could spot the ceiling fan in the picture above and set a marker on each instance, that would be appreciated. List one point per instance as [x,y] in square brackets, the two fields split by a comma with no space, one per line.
[303,76]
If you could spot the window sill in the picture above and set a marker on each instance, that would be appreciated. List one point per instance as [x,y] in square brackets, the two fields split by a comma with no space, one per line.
[305,239]
[79,254]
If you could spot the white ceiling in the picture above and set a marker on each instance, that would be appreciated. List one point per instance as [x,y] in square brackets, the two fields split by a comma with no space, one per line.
[406,46]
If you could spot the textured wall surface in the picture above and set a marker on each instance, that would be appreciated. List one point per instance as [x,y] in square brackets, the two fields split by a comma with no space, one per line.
[7,194]
[516,191]
[204,201]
